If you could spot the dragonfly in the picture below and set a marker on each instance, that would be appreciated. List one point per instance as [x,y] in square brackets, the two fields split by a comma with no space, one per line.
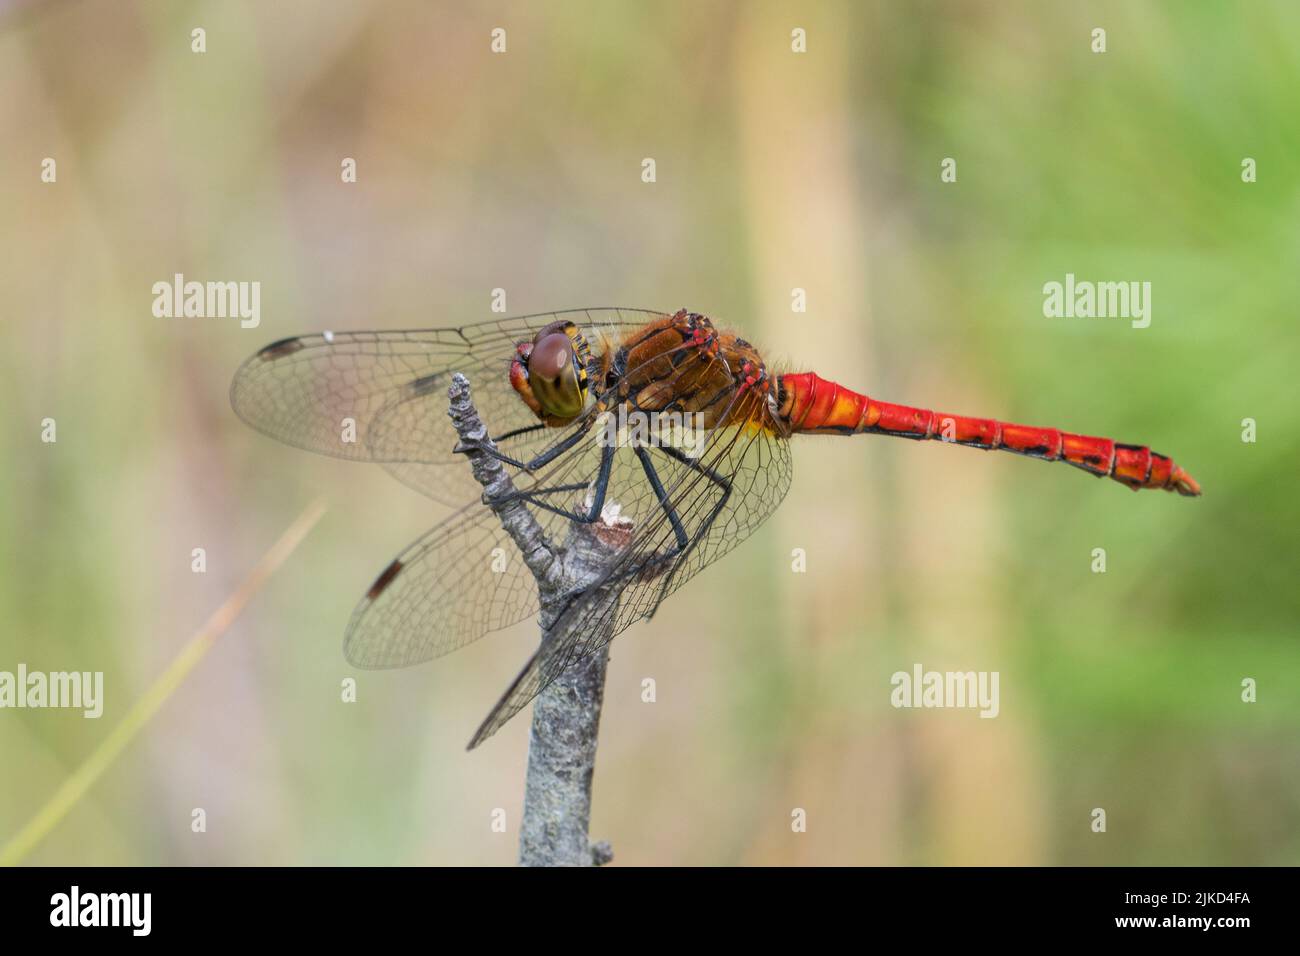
[663,423]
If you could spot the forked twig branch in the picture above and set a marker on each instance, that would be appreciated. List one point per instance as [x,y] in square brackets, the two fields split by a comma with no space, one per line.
[566,714]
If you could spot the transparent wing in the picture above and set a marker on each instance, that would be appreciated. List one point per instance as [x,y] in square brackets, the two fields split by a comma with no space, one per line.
[458,581]
[736,482]
[671,514]
[382,396]
[465,576]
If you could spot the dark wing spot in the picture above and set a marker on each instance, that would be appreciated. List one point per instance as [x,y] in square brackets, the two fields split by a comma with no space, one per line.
[281,348]
[385,578]
[424,384]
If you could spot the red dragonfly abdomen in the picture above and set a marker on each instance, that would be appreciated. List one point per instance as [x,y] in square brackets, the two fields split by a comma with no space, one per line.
[813,405]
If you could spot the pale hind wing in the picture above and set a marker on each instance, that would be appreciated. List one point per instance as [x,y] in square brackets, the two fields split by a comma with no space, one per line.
[458,581]
[465,576]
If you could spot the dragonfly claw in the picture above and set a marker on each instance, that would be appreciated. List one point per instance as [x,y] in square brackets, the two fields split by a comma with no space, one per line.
[474,441]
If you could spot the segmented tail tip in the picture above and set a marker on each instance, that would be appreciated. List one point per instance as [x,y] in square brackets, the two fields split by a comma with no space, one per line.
[1185,484]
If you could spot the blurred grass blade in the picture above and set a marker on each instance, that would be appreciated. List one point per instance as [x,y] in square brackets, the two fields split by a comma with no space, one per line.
[143,710]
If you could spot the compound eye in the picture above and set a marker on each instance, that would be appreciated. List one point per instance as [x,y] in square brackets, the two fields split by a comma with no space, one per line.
[553,375]
[551,356]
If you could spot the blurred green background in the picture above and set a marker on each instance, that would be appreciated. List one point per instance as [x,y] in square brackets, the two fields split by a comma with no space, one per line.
[775,171]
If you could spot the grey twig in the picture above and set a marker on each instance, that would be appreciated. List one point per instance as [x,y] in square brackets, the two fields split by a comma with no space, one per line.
[566,715]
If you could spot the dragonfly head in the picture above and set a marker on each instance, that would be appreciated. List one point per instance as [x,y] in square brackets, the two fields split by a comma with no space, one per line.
[550,372]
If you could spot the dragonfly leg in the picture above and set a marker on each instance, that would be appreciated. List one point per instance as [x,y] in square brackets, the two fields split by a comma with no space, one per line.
[598,496]
[514,432]
[723,483]
[683,544]
[481,445]
[648,467]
